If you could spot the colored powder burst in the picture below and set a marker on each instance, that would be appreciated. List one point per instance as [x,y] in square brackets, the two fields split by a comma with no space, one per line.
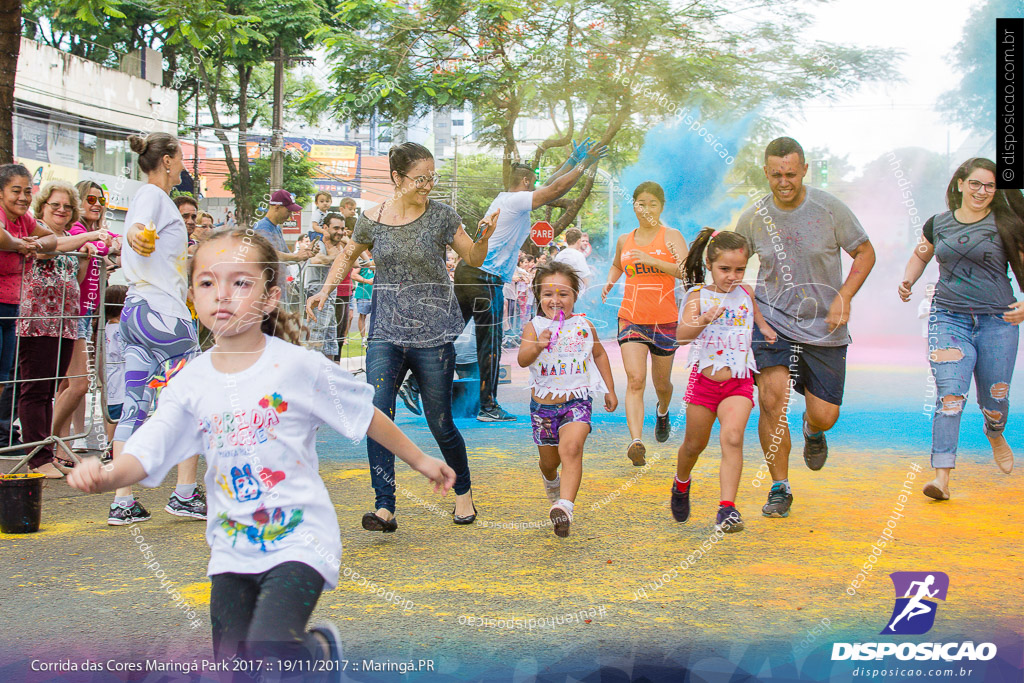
[691,171]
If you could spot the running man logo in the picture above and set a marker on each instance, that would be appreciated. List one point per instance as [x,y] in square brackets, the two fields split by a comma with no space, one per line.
[913,614]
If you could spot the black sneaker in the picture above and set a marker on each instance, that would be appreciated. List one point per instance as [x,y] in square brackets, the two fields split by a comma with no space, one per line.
[121,515]
[815,449]
[778,502]
[728,519]
[495,414]
[194,507]
[680,503]
[411,398]
[662,428]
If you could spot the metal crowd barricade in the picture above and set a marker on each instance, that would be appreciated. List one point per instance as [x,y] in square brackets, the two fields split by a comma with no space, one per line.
[95,397]
[294,301]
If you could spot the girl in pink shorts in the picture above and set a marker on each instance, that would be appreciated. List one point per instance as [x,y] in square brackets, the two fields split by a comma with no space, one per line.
[719,319]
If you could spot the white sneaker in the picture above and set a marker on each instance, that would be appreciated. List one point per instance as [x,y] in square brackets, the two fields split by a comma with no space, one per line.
[552,488]
[561,516]
[79,446]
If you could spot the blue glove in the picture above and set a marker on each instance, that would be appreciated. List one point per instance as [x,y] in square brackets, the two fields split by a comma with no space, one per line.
[579,152]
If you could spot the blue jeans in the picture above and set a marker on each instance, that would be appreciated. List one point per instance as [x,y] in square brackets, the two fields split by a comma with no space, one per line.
[480,298]
[8,343]
[434,370]
[982,345]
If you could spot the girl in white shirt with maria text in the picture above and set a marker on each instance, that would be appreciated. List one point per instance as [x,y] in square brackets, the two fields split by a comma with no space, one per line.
[252,405]
[567,365]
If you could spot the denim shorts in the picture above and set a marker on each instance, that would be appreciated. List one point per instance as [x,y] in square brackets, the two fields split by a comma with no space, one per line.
[84,326]
[659,337]
[820,370]
[363,306]
[548,419]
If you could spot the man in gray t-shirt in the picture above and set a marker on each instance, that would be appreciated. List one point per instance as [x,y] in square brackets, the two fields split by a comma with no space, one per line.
[798,232]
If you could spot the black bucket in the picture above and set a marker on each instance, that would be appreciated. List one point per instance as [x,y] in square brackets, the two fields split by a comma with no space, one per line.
[21,503]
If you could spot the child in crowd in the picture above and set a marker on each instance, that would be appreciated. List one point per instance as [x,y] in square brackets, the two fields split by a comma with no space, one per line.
[718,319]
[321,207]
[252,405]
[567,365]
[113,361]
[364,291]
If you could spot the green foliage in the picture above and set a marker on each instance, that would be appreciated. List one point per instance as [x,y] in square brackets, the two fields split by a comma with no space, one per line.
[607,68]
[479,181]
[299,170]
[972,102]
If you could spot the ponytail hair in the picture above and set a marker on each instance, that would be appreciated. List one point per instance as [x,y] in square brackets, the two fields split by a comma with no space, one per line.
[277,323]
[715,242]
[1007,209]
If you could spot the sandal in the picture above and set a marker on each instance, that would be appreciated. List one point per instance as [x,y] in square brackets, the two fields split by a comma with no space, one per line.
[636,452]
[371,522]
[50,473]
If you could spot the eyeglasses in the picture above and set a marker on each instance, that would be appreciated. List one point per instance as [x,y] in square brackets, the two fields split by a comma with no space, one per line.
[977,185]
[422,180]
[93,199]
[54,206]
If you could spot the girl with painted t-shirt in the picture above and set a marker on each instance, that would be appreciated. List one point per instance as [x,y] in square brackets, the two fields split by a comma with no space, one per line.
[719,319]
[252,405]
[567,365]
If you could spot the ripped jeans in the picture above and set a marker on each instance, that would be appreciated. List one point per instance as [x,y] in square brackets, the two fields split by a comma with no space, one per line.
[961,345]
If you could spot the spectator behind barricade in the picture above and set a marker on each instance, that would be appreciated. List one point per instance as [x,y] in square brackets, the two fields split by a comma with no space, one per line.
[188,207]
[348,211]
[321,207]
[20,235]
[322,329]
[281,208]
[346,288]
[48,321]
[69,408]
[573,255]
[113,362]
[364,289]
[204,226]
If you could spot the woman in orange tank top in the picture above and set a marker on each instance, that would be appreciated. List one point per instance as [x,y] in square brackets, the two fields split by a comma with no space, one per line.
[651,258]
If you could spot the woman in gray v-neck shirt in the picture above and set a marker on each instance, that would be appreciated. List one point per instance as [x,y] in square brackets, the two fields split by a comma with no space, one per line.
[973,326]
[414,316]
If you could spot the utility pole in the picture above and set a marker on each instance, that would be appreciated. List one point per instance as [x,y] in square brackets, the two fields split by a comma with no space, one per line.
[277,136]
[195,144]
[280,60]
[455,173]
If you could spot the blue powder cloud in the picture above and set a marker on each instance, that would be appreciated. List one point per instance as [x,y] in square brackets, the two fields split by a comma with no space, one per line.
[684,156]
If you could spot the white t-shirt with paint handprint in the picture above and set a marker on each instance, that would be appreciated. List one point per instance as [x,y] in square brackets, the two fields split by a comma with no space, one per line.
[257,429]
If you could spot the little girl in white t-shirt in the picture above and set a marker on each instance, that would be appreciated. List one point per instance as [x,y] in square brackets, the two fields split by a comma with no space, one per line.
[252,405]
[567,365]
[719,319]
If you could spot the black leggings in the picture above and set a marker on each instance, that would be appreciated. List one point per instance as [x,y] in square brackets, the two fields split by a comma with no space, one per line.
[260,615]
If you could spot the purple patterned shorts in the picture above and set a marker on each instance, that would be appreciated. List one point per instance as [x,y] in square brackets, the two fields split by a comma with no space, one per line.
[548,419]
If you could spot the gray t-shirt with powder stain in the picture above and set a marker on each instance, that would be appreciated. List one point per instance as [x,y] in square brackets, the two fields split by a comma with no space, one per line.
[801,271]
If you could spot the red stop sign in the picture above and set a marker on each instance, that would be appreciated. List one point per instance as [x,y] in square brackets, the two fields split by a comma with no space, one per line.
[542,233]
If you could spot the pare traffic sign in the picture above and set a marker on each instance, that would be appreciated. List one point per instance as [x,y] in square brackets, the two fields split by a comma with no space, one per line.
[542,233]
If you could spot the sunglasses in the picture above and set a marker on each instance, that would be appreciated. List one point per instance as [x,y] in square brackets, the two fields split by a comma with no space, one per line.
[93,199]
